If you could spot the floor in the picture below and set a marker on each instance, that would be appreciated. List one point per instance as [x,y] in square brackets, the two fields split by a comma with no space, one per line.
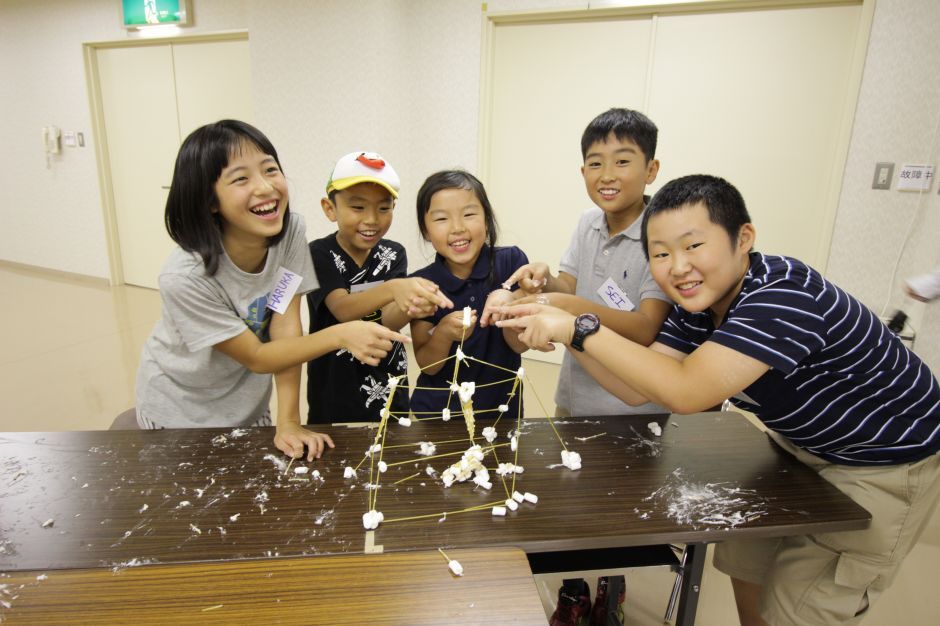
[70,352]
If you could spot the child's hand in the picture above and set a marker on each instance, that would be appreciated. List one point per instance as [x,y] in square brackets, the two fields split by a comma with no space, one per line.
[496,299]
[418,297]
[531,277]
[367,341]
[539,326]
[291,437]
[451,326]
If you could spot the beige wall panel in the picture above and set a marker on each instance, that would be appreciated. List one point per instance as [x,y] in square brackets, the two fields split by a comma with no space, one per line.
[758,97]
[549,81]
[140,116]
[213,82]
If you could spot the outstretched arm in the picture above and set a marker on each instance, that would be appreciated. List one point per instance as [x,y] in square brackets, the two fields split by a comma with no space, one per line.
[705,378]
[367,341]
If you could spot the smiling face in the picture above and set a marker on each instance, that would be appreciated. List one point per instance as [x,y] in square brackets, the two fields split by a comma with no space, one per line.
[455,224]
[616,174]
[695,262]
[363,215]
[251,195]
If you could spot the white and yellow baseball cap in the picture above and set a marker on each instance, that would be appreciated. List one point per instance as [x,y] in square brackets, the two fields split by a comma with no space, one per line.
[363,167]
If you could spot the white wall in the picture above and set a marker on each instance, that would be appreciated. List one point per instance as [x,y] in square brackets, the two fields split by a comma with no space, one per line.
[897,120]
[403,78]
[52,217]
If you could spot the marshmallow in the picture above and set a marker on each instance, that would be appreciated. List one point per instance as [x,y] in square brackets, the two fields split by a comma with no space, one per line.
[393,382]
[383,466]
[520,373]
[518,497]
[655,428]
[454,387]
[404,421]
[570,459]
[455,567]
[530,497]
[384,413]
[503,408]
[316,474]
[301,470]
[513,443]
[499,511]
[430,471]
[466,391]
[427,448]
[518,469]
[460,355]
[511,504]
[373,449]
[467,312]
[445,415]
[489,433]
[349,472]
[372,519]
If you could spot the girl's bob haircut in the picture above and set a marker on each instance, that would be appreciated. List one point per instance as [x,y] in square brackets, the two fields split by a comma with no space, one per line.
[189,218]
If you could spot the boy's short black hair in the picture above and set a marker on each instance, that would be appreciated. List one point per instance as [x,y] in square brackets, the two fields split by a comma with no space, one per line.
[624,124]
[724,203]
[202,157]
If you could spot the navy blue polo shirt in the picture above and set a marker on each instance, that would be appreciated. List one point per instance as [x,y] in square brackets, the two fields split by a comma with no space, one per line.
[486,343]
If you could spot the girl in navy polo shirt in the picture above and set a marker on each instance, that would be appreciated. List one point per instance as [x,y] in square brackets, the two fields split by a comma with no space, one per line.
[456,217]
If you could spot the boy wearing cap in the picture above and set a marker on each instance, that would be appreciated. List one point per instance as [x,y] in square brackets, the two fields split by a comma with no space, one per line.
[362,276]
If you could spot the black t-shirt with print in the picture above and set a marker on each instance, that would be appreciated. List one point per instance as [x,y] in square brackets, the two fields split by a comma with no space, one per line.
[339,387]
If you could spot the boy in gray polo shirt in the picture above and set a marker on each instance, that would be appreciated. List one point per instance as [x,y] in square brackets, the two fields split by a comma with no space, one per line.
[604,270]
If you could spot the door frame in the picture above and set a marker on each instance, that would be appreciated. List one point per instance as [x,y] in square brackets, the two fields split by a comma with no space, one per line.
[99,130]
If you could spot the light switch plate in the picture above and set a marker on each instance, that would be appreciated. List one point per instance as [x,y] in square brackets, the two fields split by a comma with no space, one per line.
[883,174]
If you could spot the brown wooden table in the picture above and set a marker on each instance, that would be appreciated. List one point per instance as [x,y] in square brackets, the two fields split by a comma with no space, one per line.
[120,498]
[397,588]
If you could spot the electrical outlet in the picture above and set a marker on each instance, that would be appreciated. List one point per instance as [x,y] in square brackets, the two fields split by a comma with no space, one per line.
[883,174]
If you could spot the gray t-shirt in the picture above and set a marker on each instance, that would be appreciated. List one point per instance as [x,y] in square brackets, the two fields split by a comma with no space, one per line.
[592,257]
[182,382]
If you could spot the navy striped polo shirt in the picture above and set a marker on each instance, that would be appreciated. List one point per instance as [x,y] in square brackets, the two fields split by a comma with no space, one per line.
[840,385]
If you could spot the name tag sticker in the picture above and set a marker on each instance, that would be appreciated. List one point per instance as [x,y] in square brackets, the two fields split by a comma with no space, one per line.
[614,297]
[285,287]
[364,286]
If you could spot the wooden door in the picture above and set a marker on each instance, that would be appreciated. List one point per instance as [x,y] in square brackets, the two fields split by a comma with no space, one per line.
[152,96]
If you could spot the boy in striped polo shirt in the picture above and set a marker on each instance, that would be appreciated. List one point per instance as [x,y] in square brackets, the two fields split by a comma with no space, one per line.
[836,387]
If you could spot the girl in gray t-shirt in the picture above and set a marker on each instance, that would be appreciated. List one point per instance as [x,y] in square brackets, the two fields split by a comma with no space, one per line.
[231,297]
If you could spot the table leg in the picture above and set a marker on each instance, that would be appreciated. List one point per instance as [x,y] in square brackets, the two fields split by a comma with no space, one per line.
[691,583]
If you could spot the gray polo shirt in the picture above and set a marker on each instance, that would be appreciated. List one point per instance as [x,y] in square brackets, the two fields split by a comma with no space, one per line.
[592,257]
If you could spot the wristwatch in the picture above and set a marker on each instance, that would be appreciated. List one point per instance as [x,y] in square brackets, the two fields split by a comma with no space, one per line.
[585,325]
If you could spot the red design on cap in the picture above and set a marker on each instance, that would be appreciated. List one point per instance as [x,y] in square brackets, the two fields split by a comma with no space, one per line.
[375,163]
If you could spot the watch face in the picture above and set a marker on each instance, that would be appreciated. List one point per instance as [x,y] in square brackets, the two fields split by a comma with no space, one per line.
[587,321]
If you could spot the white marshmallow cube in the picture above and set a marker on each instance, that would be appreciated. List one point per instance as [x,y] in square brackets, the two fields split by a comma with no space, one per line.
[655,428]
[571,459]
[455,567]
[301,470]
[467,313]
[445,415]
[511,504]
[404,421]
[460,356]
[499,511]
[489,433]
[518,497]
[372,519]
[513,443]
[530,497]
[383,466]
[503,408]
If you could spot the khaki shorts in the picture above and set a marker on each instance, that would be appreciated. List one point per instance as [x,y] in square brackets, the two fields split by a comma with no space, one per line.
[832,578]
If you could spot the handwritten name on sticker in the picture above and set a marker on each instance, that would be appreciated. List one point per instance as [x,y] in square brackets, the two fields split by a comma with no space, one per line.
[614,297]
[285,287]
